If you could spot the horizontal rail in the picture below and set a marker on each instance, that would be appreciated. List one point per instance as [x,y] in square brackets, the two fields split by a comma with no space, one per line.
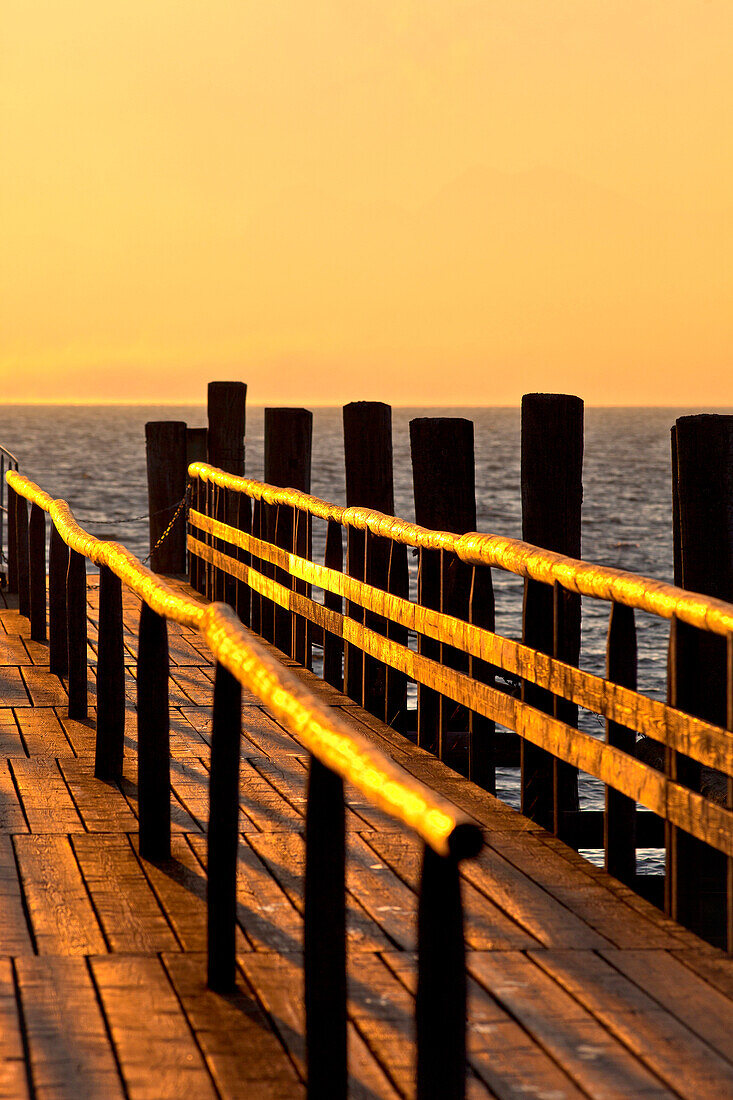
[531,562]
[329,739]
[709,744]
[688,810]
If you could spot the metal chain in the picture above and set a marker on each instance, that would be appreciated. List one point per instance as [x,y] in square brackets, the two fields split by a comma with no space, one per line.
[182,504]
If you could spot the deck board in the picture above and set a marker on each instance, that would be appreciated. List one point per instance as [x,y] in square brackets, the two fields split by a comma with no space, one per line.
[577,987]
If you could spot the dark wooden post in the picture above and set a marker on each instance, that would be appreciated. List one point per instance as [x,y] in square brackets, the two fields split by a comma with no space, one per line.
[196,451]
[552,494]
[222,832]
[481,757]
[243,505]
[333,647]
[76,608]
[58,567]
[165,445]
[21,544]
[12,540]
[324,933]
[153,736]
[620,819]
[696,892]
[110,679]
[37,572]
[369,484]
[227,414]
[288,442]
[443,476]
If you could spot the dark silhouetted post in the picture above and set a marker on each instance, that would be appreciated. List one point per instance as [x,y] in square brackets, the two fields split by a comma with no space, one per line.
[110,679]
[552,494]
[196,451]
[620,819]
[288,442]
[58,642]
[369,484]
[12,499]
[153,736]
[21,545]
[227,414]
[37,572]
[165,445]
[324,934]
[444,483]
[222,833]
[703,480]
[333,647]
[76,611]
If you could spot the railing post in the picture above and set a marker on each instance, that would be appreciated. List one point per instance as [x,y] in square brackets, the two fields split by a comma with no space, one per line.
[696,893]
[196,451]
[22,555]
[620,818]
[76,611]
[443,477]
[227,415]
[288,443]
[333,646]
[110,679]
[243,506]
[222,837]
[369,484]
[165,449]
[325,935]
[441,981]
[12,540]
[37,572]
[481,757]
[58,639]
[552,494]
[153,736]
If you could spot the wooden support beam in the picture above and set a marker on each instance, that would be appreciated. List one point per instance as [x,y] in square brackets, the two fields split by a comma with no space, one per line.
[165,448]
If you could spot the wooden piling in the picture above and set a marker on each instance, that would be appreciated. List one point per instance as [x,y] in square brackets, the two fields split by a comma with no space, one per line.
[443,475]
[369,484]
[288,444]
[227,418]
[165,446]
[552,494]
[196,451]
[696,891]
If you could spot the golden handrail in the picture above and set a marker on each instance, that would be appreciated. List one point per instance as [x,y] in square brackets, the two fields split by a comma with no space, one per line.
[512,555]
[353,757]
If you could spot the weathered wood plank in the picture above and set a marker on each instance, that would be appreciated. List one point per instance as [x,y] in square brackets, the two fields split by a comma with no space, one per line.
[13,1075]
[15,935]
[44,688]
[42,732]
[101,804]
[12,688]
[127,908]
[62,917]
[47,804]
[157,1052]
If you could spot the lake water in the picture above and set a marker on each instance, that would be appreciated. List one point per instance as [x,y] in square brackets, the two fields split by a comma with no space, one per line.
[94,457]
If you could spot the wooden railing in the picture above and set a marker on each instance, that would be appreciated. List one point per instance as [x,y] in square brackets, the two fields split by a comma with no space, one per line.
[337,755]
[258,559]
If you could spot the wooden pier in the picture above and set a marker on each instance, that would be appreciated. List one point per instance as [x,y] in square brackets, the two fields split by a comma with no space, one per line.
[577,987]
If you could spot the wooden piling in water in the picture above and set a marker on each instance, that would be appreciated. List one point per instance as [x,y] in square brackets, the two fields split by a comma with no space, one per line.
[552,495]
[444,482]
[696,890]
[227,420]
[288,445]
[166,452]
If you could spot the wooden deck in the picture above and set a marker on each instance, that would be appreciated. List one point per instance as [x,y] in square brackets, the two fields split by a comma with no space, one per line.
[578,988]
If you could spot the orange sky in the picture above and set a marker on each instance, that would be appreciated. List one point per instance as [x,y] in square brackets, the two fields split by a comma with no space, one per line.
[422,201]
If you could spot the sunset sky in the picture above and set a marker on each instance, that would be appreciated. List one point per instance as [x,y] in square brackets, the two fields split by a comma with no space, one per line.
[419,201]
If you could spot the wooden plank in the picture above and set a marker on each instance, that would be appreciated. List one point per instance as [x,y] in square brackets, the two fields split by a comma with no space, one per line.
[243,1054]
[507,1059]
[181,820]
[12,688]
[593,1058]
[44,688]
[48,806]
[715,969]
[486,926]
[15,936]
[13,1076]
[70,1052]
[13,652]
[14,623]
[156,1050]
[11,743]
[127,908]
[12,818]
[194,685]
[283,854]
[43,732]
[278,982]
[101,804]
[265,913]
[60,912]
[684,1062]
